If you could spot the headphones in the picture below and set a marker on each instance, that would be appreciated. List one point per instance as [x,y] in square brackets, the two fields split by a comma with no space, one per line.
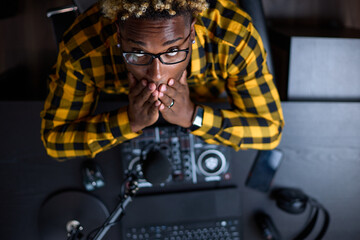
[293,201]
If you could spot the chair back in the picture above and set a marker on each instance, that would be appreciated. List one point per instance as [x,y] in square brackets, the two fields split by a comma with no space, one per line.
[84,5]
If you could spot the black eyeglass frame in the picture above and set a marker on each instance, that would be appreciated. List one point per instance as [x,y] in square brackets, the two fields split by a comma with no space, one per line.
[153,56]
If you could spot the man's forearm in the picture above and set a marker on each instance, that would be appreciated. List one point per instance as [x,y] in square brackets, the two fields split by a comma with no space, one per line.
[88,136]
[239,130]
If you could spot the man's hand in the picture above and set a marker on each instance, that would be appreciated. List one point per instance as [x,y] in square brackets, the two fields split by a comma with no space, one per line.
[182,111]
[143,103]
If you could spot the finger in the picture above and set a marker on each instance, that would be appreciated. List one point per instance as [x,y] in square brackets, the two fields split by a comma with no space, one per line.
[137,90]
[173,83]
[165,98]
[151,99]
[154,97]
[148,93]
[176,84]
[154,107]
[136,87]
[162,107]
[166,92]
[167,104]
[141,95]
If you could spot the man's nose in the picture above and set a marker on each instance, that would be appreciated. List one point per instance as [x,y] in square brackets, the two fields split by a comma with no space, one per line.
[155,71]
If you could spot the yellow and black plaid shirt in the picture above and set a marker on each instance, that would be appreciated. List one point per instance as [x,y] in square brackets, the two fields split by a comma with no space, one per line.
[228,56]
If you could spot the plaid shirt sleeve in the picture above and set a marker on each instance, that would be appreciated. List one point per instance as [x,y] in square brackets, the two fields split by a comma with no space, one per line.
[256,120]
[69,128]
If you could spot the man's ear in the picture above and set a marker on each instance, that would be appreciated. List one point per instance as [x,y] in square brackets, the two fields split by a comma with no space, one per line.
[117,26]
[192,29]
[118,32]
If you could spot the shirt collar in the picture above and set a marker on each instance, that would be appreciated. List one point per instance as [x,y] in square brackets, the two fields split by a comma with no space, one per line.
[198,57]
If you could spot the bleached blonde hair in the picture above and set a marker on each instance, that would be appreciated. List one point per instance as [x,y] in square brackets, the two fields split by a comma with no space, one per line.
[123,9]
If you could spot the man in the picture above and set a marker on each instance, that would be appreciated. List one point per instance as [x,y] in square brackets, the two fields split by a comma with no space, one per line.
[164,55]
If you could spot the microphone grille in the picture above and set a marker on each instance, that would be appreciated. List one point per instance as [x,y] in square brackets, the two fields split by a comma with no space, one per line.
[156,167]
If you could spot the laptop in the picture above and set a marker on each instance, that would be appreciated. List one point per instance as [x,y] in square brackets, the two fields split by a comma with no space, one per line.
[203,214]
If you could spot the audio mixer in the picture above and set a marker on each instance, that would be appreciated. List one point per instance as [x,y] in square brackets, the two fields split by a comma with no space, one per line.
[192,160]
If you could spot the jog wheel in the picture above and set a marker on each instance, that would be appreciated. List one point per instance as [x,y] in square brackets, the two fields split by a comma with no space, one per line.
[69,209]
[211,163]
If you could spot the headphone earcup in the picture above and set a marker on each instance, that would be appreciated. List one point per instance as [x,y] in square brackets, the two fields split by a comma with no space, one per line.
[290,200]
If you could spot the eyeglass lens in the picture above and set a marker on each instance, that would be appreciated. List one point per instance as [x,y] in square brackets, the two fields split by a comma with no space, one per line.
[146,58]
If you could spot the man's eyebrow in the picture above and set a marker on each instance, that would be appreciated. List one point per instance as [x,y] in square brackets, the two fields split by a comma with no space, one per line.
[164,44]
[172,41]
[137,42]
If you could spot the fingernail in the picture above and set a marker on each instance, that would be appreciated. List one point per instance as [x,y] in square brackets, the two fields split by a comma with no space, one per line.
[155,93]
[171,82]
[157,103]
[163,88]
[151,86]
[143,82]
[161,94]
[162,106]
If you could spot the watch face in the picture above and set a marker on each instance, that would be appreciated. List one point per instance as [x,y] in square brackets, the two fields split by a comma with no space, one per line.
[198,119]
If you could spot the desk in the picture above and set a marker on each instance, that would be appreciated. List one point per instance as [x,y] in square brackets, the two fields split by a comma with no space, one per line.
[322,156]
[321,144]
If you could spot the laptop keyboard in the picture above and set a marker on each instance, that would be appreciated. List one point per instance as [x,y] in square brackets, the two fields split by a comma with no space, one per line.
[225,229]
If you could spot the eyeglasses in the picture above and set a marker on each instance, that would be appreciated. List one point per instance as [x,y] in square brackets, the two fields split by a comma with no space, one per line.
[168,58]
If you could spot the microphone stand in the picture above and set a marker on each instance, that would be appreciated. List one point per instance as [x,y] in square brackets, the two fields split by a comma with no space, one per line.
[132,188]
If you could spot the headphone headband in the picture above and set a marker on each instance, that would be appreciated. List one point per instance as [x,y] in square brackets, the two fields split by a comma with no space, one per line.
[294,201]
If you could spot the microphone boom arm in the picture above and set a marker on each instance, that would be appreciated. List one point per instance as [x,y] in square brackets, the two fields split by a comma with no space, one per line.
[117,212]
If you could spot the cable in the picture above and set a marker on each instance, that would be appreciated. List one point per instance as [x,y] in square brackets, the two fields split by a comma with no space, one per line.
[326,223]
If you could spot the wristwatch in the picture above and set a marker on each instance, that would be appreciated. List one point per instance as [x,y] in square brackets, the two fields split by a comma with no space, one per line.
[198,119]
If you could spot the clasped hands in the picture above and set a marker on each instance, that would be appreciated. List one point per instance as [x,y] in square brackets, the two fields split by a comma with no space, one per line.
[147,101]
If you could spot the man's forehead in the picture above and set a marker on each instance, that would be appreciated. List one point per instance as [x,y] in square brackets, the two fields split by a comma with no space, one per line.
[133,25]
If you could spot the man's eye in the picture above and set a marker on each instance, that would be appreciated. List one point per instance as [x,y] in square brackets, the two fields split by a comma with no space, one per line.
[171,54]
[138,54]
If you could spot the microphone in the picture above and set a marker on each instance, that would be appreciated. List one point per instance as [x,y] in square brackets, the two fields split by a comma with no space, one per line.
[156,167]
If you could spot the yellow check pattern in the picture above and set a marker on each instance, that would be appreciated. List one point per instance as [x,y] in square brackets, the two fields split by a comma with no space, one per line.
[228,56]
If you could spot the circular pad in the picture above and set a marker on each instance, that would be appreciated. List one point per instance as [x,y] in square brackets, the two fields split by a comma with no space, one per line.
[62,209]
